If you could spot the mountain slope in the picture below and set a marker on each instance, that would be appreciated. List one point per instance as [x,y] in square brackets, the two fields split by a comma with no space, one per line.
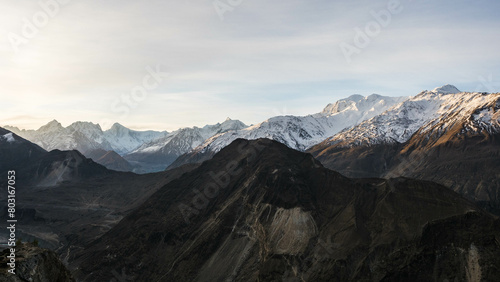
[65,200]
[160,153]
[401,122]
[37,167]
[110,159]
[296,132]
[16,151]
[124,140]
[452,139]
[259,211]
[34,264]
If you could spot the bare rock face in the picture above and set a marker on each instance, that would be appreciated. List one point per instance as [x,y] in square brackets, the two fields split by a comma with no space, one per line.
[35,265]
[259,211]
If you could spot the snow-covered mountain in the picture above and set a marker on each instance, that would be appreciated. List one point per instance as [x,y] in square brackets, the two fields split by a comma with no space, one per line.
[161,152]
[301,132]
[444,135]
[438,110]
[124,140]
[87,137]
[79,136]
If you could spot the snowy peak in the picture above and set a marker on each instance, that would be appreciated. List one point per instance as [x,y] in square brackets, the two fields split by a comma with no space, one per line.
[302,132]
[185,139]
[88,129]
[359,103]
[52,126]
[87,136]
[117,127]
[343,104]
[446,89]
[429,113]
[118,130]
[229,125]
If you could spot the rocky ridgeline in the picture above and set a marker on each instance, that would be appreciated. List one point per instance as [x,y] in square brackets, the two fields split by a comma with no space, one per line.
[34,264]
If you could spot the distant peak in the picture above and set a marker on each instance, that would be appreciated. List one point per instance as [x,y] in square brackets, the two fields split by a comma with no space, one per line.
[228,119]
[374,96]
[118,129]
[446,89]
[81,125]
[117,126]
[355,97]
[54,124]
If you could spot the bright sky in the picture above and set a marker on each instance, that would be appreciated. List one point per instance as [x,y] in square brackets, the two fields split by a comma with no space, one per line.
[89,60]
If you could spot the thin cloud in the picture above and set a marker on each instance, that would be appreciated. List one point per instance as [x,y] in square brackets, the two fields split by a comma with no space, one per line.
[264,55]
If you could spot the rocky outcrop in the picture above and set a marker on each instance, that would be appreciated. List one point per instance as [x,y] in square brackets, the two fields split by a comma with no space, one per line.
[35,265]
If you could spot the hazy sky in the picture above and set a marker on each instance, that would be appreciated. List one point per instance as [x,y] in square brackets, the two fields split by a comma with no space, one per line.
[244,59]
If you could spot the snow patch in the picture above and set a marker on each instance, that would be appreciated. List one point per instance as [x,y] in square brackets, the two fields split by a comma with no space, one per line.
[446,89]
[9,137]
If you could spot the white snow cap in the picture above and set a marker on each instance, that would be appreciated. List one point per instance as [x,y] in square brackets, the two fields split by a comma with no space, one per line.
[446,89]
[9,138]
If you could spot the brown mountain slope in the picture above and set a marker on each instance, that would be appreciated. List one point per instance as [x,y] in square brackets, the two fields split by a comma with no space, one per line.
[65,200]
[110,159]
[259,211]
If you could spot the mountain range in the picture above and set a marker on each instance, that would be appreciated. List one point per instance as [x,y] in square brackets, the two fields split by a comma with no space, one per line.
[158,154]
[88,138]
[370,189]
[299,132]
[123,149]
[449,137]
[260,211]
[65,200]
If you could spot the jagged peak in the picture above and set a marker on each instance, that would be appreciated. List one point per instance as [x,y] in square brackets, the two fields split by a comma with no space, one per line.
[355,98]
[117,127]
[52,125]
[85,124]
[352,102]
[373,96]
[446,89]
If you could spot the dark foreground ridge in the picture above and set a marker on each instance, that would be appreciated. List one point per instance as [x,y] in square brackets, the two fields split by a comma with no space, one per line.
[259,211]
[34,264]
[65,200]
